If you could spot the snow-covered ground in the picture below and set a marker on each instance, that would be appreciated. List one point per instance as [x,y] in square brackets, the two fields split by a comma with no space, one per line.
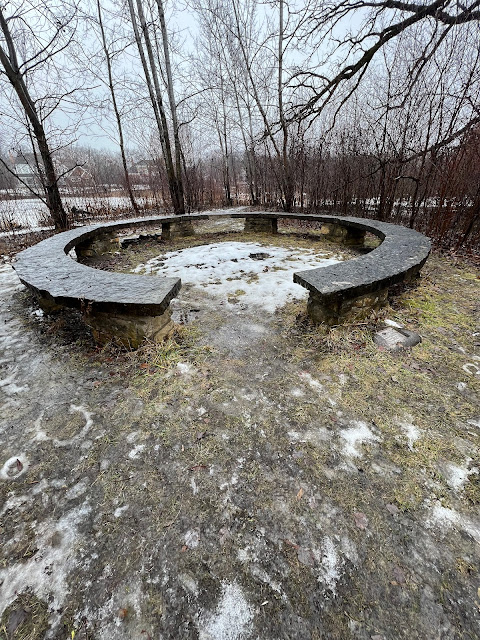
[246,273]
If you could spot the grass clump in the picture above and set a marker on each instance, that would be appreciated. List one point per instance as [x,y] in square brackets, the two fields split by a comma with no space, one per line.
[182,346]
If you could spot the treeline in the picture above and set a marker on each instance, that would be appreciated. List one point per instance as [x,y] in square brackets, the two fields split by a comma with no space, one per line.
[366,108]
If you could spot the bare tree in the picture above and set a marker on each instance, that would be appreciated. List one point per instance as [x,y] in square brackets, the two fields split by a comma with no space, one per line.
[386,21]
[18,67]
[149,63]
[111,87]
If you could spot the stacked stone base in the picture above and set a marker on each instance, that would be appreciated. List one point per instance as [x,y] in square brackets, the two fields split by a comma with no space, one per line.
[337,309]
[177,229]
[261,225]
[97,246]
[123,329]
[347,236]
[128,330]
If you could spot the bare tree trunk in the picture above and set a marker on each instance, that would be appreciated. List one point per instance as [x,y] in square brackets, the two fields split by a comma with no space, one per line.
[171,99]
[15,76]
[288,184]
[174,181]
[116,111]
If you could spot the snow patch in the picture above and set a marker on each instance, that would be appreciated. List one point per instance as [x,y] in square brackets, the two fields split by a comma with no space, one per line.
[392,323]
[227,270]
[118,512]
[184,368]
[456,475]
[138,448]
[314,384]
[77,490]
[189,583]
[14,467]
[314,436]
[411,432]
[330,566]
[194,486]
[192,538]
[261,574]
[442,517]
[232,618]
[132,436]
[14,503]
[296,392]
[46,572]
[358,434]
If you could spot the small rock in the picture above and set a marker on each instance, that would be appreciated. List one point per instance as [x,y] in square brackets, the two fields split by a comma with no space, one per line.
[395,339]
[361,520]
[393,509]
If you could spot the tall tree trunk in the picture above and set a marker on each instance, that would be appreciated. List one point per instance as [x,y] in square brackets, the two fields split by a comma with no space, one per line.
[116,111]
[174,182]
[15,76]
[172,102]
[288,183]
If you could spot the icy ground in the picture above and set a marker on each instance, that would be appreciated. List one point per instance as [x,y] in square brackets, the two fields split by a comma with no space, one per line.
[256,480]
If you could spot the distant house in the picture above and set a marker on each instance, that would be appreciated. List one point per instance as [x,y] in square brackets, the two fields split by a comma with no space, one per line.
[24,166]
[77,177]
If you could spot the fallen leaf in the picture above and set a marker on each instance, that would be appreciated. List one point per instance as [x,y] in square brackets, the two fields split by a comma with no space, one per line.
[199,467]
[184,548]
[300,494]
[19,465]
[361,520]
[122,613]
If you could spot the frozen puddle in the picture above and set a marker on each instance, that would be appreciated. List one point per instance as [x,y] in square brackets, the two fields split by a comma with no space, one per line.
[241,272]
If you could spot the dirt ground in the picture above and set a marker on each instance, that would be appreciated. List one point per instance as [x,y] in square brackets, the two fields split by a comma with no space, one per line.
[255,477]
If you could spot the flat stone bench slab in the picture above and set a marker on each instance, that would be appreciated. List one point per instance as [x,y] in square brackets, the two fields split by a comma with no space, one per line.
[126,307]
[351,289]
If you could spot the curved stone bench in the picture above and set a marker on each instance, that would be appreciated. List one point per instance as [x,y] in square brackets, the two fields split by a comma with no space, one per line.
[350,290]
[131,307]
[126,307]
